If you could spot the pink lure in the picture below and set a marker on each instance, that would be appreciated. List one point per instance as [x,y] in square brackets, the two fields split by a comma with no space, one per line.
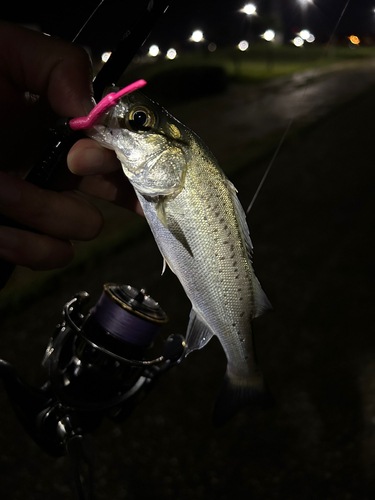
[86,122]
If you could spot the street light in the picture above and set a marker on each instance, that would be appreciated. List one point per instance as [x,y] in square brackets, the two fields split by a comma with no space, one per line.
[171,54]
[307,36]
[243,45]
[298,41]
[106,56]
[249,9]
[354,40]
[197,36]
[153,51]
[269,35]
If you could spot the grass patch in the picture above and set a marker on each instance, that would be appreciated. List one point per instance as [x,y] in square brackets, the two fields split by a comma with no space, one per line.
[194,75]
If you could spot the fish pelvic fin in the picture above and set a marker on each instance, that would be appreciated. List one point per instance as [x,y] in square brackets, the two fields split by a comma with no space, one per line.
[236,393]
[160,210]
[198,334]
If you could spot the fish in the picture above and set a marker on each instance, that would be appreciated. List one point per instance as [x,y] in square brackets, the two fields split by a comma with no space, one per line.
[201,231]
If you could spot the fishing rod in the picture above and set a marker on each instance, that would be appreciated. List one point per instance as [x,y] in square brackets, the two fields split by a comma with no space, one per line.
[63,137]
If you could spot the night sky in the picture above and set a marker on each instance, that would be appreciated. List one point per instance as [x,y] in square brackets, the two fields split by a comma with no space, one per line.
[220,20]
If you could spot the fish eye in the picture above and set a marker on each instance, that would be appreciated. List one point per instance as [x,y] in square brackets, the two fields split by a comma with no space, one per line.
[141,118]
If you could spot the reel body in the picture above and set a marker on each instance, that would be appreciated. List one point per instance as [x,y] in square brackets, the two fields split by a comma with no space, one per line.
[97,367]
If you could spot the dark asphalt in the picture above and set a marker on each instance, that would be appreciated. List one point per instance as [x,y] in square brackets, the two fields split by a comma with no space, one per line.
[313,232]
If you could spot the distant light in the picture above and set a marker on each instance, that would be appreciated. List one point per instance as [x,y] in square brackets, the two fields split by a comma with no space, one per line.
[106,56]
[212,47]
[244,45]
[171,54]
[249,9]
[153,51]
[298,41]
[197,36]
[269,35]
[355,40]
[305,34]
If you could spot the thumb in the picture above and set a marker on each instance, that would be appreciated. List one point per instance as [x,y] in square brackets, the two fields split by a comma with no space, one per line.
[47,66]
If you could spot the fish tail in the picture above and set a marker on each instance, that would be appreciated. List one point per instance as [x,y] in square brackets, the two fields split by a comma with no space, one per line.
[238,392]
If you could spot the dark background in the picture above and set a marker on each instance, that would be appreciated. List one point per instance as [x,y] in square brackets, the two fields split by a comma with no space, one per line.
[221,20]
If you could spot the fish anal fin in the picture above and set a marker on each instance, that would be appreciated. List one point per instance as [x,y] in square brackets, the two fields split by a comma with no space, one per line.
[164,266]
[262,304]
[198,334]
[236,394]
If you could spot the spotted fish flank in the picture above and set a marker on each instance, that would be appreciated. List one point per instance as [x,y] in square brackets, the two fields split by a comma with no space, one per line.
[201,231]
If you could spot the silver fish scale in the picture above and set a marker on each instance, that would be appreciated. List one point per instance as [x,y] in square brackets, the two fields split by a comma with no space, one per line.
[205,246]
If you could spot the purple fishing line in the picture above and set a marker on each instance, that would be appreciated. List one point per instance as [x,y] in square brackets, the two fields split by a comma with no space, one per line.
[122,324]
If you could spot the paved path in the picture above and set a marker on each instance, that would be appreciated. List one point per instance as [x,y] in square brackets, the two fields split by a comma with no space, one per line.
[232,121]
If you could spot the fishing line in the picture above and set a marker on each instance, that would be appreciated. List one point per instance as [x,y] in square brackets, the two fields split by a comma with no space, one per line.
[337,24]
[87,20]
[123,324]
[270,165]
[286,131]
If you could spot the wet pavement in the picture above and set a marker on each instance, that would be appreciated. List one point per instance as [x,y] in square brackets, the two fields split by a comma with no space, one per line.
[247,113]
[313,233]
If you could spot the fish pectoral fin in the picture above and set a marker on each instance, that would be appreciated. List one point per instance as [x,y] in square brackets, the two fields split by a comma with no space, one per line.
[160,211]
[198,334]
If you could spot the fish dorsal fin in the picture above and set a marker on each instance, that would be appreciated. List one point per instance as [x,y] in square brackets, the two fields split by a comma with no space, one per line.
[242,217]
[262,304]
[198,334]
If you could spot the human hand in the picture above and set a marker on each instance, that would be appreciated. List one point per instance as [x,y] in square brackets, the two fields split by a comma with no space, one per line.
[41,77]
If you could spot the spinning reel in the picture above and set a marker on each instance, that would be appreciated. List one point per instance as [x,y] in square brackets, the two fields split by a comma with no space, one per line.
[97,367]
